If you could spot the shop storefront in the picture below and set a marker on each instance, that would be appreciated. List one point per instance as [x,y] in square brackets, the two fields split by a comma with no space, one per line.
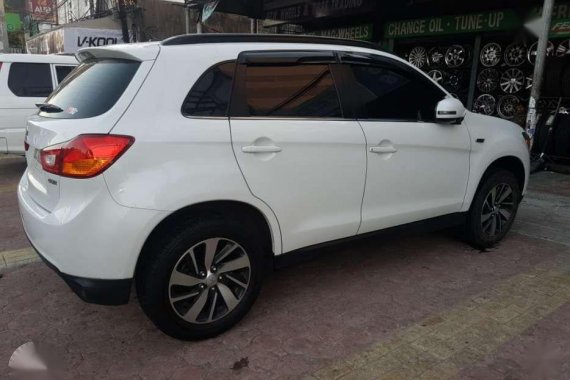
[482,54]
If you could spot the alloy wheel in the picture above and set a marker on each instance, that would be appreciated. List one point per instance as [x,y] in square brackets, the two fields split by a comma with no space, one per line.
[497,210]
[515,55]
[491,54]
[512,81]
[418,57]
[209,280]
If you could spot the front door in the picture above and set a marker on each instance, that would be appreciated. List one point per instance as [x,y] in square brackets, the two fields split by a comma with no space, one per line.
[296,151]
[417,169]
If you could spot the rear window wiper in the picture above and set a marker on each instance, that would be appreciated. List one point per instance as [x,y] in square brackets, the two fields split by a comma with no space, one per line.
[49,108]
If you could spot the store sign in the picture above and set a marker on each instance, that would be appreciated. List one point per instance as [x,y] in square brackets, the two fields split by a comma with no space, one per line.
[43,11]
[304,10]
[560,25]
[473,23]
[13,22]
[70,40]
[361,32]
[77,38]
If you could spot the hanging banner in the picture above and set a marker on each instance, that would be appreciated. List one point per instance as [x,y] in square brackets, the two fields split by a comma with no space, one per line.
[209,9]
[473,23]
[307,10]
[42,11]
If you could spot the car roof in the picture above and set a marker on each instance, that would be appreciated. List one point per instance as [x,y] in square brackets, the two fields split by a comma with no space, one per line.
[39,58]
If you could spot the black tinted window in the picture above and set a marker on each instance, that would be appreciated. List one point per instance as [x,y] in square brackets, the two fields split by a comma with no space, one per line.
[30,79]
[394,94]
[291,91]
[62,71]
[210,96]
[92,89]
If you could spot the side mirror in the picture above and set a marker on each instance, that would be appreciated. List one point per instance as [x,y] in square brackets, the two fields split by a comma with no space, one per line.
[450,111]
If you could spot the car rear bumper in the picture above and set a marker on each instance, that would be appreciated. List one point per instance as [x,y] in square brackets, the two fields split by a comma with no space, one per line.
[97,291]
[92,242]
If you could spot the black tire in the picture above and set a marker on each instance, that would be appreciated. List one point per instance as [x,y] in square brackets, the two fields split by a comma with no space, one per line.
[474,231]
[153,281]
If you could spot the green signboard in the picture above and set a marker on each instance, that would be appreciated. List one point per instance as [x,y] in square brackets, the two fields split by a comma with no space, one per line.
[560,25]
[360,32]
[13,22]
[473,23]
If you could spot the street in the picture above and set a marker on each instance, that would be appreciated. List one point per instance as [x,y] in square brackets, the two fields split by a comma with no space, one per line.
[414,306]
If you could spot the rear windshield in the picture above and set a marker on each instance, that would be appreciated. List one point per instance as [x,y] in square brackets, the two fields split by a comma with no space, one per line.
[91,89]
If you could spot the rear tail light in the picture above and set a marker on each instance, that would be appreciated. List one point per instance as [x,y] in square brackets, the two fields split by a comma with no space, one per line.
[26,145]
[85,156]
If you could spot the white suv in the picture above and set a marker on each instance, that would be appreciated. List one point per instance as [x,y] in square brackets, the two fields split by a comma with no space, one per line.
[26,80]
[189,166]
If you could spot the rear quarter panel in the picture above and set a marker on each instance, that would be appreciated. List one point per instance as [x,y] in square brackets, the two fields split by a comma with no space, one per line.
[178,161]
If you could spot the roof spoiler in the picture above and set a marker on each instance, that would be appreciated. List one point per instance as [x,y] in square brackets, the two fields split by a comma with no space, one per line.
[132,52]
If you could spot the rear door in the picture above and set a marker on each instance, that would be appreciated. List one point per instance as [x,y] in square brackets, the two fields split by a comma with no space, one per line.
[417,169]
[297,152]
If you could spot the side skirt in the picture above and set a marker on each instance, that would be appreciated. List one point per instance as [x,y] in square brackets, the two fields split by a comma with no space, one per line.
[427,225]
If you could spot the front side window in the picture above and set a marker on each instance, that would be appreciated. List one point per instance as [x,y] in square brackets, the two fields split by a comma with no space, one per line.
[32,80]
[291,91]
[210,96]
[387,93]
[92,89]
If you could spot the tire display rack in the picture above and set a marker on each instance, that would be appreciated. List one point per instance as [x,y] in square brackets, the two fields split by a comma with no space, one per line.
[503,76]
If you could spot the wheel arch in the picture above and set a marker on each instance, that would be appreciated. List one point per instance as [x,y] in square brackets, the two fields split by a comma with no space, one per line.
[242,211]
[512,164]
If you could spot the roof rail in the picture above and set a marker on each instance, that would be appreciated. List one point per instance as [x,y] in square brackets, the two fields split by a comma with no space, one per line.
[212,38]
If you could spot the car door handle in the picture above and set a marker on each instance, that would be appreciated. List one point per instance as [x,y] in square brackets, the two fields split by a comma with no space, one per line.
[261,149]
[383,149]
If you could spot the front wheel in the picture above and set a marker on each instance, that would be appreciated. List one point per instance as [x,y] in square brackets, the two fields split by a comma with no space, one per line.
[493,209]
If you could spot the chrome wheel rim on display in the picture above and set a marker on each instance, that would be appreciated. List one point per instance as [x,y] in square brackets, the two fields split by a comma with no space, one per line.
[512,81]
[488,80]
[436,75]
[455,56]
[453,81]
[209,280]
[532,51]
[507,106]
[497,210]
[563,48]
[418,57]
[529,81]
[436,57]
[491,54]
[485,104]
[515,55]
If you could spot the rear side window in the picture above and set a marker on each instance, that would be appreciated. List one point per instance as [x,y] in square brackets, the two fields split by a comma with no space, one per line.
[210,96]
[31,80]
[62,71]
[92,89]
[389,93]
[291,91]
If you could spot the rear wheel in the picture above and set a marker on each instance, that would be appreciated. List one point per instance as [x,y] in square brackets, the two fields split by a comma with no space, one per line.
[493,209]
[203,280]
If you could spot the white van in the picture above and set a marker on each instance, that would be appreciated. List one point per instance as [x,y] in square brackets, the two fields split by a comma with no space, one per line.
[26,80]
